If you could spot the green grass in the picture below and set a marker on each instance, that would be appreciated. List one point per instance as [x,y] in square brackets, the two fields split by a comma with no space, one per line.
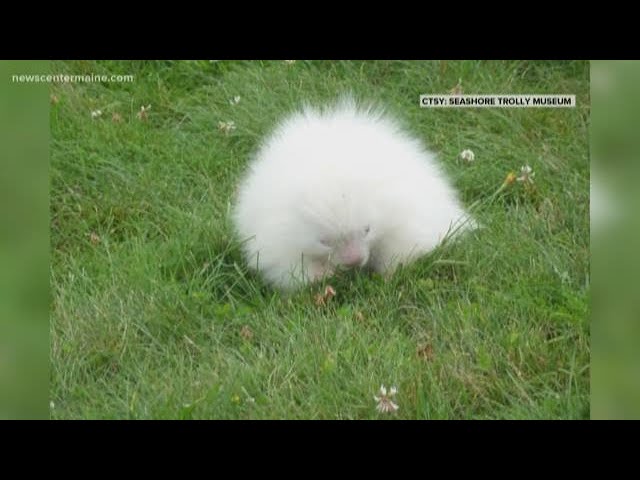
[154,315]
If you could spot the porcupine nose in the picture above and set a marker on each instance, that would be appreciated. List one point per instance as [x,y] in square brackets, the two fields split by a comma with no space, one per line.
[353,256]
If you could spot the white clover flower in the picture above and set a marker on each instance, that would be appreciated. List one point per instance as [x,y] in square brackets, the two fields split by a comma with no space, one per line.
[385,404]
[142,114]
[226,127]
[526,174]
[468,155]
[96,114]
[289,62]
[235,100]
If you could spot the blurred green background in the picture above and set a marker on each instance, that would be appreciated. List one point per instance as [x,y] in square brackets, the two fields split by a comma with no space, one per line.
[24,243]
[615,237]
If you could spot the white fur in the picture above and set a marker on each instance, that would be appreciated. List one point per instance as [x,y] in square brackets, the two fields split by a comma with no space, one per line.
[322,178]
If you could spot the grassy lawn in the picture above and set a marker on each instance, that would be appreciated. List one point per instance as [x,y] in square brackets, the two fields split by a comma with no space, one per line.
[154,315]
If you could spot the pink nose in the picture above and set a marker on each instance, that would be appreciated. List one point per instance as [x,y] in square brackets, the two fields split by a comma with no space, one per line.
[352,257]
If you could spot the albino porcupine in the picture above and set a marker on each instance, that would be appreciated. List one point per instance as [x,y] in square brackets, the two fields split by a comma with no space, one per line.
[342,187]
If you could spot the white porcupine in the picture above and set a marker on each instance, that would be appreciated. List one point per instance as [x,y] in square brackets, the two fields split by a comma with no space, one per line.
[342,187]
